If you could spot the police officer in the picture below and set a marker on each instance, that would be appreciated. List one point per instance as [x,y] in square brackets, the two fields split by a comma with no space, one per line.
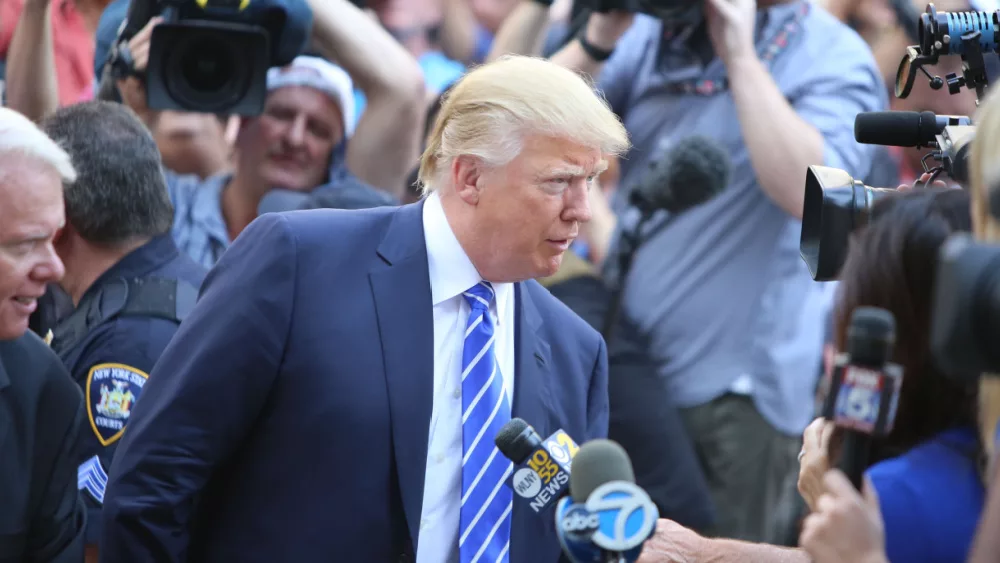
[130,285]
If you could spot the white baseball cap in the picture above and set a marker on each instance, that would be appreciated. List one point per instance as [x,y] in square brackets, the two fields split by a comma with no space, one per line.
[322,75]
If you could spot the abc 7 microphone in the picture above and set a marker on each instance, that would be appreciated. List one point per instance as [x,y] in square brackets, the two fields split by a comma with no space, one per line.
[541,467]
[607,517]
[864,389]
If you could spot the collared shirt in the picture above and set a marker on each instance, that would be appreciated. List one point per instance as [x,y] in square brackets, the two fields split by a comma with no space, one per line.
[451,273]
[200,229]
[722,291]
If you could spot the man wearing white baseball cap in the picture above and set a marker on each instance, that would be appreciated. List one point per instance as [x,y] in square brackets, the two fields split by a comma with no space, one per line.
[300,140]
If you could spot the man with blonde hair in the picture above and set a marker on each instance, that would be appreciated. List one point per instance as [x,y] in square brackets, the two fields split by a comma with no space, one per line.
[41,409]
[337,389]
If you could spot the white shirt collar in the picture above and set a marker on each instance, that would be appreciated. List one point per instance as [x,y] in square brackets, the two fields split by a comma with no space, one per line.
[451,271]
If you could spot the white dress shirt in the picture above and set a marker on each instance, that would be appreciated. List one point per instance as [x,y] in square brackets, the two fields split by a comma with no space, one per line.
[451,273]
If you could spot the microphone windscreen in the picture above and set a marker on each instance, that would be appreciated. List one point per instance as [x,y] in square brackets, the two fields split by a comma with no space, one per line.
[516,440]
[871,335]
[694,171]
[895,128]
[598,462]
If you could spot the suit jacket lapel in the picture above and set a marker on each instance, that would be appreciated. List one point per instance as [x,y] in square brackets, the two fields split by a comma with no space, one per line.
[532,357]
[402,292]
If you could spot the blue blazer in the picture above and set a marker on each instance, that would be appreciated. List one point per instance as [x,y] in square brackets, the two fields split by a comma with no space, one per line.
[288,418]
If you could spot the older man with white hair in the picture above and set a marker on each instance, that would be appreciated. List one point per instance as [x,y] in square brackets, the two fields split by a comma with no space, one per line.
[335,393]
[41,408]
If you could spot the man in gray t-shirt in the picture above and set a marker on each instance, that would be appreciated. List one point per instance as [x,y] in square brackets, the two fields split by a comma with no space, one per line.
[735,322]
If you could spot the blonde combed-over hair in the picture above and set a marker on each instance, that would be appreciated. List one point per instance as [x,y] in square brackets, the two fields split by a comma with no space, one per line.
[490,110]
[19,136]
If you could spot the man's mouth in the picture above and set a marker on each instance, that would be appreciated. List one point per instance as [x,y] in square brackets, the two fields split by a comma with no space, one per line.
[27,304]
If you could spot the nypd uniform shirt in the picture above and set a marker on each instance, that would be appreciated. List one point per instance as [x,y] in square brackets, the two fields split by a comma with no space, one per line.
[112,362]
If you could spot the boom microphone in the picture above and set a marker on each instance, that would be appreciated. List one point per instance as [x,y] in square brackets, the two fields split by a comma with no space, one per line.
[864,390]
[691,173]
[903,128]
[608,517]
[541,467]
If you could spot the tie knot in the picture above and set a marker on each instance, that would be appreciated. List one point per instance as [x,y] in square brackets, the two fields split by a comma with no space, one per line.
[480,295]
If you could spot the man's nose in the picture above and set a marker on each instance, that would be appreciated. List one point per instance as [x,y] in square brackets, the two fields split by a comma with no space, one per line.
[50,268]
[296,133]
[578,202]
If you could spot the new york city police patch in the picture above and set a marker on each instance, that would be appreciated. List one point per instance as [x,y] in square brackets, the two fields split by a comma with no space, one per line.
[112,390]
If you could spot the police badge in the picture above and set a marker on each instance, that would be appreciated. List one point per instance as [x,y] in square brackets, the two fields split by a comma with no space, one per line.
[112,390]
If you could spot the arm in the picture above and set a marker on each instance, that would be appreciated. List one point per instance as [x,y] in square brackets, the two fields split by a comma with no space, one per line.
[522,32]
[384,149]
[597,397]
[819,127]
[458,31]
[203,397]
[673,542]
[603,31]
[57,528]
[32,86]
[779,155]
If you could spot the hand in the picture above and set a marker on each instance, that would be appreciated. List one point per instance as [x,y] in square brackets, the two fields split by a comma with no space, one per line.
[922,180]
[671,543]
[731,27]
[605,29]
[845,527]
[814,461]
[132,89]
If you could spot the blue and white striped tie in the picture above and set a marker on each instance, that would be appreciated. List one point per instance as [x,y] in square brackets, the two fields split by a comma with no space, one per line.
[484,533]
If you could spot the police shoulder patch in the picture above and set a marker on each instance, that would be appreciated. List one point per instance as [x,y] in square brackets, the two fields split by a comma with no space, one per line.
[112,390]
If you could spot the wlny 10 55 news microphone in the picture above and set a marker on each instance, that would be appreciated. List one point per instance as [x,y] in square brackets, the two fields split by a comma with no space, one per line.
[541,467]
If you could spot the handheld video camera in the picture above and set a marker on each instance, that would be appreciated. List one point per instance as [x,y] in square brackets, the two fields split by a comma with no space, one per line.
[966,310]
[212,56]
[835,205]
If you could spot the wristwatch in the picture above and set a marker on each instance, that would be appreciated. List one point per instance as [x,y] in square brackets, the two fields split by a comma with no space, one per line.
[593,51]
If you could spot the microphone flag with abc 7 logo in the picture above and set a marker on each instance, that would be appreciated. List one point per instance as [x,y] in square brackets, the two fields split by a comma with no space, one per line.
[607,513]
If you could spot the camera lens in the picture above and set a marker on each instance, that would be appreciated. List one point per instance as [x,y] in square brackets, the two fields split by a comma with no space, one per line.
[204,71]
[207,66]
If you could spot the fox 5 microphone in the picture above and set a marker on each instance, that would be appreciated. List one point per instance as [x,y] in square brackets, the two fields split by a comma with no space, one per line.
[607,517]
[864,390]
[541,467]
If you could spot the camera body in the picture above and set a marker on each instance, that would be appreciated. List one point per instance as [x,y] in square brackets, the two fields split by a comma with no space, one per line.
[212,56]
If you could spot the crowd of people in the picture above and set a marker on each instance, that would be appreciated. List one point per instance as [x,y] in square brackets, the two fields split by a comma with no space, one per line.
[249,380]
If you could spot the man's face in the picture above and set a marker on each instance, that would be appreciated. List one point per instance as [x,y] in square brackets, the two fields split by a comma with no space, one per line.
[529,211]
[31,211]
[291,143]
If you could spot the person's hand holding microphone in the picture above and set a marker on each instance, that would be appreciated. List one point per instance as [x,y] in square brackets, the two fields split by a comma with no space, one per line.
[845,528]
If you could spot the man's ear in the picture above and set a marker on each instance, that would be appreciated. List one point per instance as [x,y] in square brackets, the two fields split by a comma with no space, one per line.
[467,178]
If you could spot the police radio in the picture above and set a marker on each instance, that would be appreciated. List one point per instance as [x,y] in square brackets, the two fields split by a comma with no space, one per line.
[864,389]
[607,517]
[542,467]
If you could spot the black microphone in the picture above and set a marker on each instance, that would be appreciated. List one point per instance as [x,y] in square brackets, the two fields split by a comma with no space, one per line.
[864,389]
[903,128]
[689,174]
[541,467]
[607,517]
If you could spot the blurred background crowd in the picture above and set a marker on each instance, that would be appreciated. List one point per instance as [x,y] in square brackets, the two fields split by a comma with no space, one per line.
[723,338]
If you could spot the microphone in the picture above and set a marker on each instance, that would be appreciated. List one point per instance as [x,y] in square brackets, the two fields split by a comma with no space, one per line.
[689,174]
[607,517]
[903,128]
[864,389]
[542,467]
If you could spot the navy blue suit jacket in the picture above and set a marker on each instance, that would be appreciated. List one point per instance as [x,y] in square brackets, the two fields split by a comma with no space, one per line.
[288,419]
